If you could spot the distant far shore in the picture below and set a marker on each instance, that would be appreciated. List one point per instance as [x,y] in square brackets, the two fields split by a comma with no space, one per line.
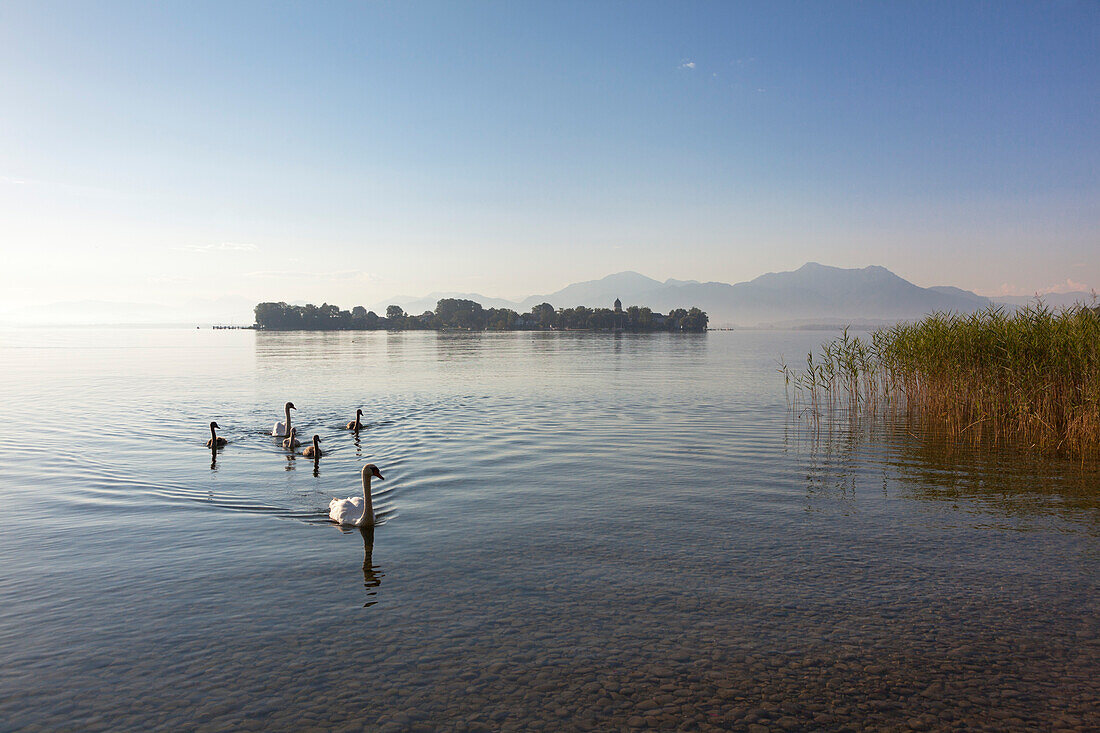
[457,314]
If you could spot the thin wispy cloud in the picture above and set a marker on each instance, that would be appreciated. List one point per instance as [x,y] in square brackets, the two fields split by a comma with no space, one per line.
[220,247]
[42,186]
[687,64]
[1069,286]
[331,276]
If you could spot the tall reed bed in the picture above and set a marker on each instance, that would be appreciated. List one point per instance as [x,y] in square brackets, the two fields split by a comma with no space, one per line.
[1030,377]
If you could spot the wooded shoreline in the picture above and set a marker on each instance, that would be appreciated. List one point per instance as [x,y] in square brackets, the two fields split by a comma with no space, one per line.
[466,315]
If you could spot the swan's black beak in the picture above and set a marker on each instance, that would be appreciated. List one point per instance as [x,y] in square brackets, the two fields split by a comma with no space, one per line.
[380,477]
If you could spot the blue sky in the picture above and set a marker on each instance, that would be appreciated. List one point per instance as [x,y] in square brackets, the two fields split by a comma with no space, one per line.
[171,152]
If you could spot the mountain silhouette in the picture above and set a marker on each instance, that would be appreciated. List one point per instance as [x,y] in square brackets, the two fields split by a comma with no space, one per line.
[814,293]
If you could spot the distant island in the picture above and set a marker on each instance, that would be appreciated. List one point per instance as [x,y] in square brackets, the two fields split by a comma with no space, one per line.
[459,314]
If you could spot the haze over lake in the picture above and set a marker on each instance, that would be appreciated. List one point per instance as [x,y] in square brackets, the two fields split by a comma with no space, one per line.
[579,531]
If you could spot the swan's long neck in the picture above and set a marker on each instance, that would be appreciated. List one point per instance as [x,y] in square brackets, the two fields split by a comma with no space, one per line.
[213,435]
[368,506]
[287,411]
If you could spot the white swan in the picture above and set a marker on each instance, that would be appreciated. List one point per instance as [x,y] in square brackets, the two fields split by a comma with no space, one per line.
[313,451]
[355,510]
[291,442]
[215,441]
[282,429]
[356,423]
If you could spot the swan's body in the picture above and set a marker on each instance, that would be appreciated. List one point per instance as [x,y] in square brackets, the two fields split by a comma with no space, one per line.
[356,510]
[313,451]
[291,442]
[215,441]
[356,423]
[282,429]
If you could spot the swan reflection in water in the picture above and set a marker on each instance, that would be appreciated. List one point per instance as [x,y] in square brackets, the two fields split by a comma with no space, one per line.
[291,464]
[372,574]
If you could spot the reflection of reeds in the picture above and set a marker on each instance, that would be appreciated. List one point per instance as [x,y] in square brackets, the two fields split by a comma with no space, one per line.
[848,458]
[1030,378]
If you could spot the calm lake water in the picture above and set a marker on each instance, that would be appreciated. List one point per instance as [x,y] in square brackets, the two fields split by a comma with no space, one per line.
[580,532]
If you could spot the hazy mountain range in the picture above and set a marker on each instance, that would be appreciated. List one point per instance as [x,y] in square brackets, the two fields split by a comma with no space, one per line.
[813,293]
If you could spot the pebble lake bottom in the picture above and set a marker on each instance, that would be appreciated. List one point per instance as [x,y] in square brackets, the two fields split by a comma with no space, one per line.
[579,531]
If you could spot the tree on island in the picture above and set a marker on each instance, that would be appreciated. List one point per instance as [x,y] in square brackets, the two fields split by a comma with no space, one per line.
[501,319]
[395,317]
[545,315]
[694,320]
[460,313]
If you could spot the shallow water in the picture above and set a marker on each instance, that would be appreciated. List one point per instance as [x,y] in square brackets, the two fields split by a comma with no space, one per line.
[579,531]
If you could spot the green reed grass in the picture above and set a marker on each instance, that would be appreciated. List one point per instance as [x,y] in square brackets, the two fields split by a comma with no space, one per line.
[1030,377]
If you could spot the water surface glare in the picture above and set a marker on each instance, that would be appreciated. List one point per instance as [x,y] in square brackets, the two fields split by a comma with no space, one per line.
[578,532]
